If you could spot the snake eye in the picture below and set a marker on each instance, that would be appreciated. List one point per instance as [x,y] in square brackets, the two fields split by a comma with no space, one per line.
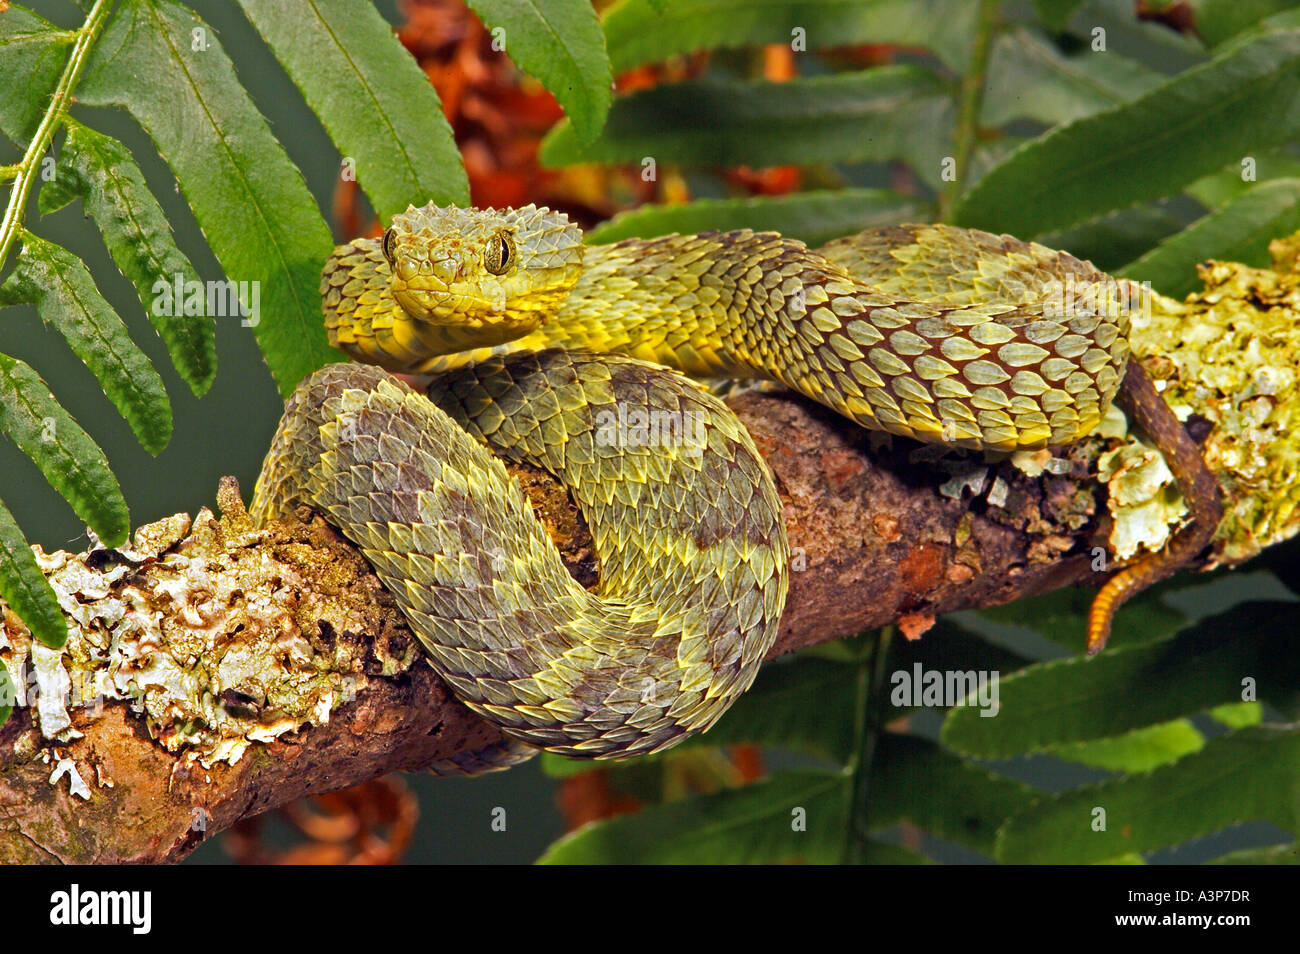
[390,236]
[499,254]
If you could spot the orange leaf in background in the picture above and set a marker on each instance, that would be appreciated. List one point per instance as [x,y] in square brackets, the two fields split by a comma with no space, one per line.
[589,797]
[748,760]
[369,824]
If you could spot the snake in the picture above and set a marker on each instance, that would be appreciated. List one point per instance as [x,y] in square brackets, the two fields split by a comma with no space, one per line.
[586,361]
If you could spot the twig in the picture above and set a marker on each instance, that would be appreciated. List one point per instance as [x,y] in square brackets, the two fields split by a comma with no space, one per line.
[25,172]
[971,101]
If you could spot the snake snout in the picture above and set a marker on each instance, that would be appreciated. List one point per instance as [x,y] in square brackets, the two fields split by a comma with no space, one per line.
[445,270]
[426,270]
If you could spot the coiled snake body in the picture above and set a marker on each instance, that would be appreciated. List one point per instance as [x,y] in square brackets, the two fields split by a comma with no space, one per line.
[549,352]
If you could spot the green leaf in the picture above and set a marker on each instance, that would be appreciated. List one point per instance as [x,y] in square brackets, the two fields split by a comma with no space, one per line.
[991,153]
[72,462]
[1115,239]
[650,31]
[1079,698]
[813,217]
[375,102]
[754,824]
[32,54]
[27,591]
[1138,751]
[894,112]
[1238,715]
[1246,99]
[1239,231]
[60,286]
[1029,78]
[557,766]
[1061,616]
[1056,14]
[559,42]
[1272,855]
[1158,43]
[915,780]
[1221,187]
[100,171]
[951,646]
[1248,775]
[164,65]
[1287,19]
[1220,20]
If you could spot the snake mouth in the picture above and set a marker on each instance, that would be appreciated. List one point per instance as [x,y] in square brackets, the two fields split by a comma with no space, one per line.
[441,321]
[429,300]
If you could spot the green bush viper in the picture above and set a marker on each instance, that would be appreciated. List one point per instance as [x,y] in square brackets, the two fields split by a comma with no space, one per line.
[550,352]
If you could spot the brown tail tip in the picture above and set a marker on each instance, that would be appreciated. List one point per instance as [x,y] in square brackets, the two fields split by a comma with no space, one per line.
[1101,615]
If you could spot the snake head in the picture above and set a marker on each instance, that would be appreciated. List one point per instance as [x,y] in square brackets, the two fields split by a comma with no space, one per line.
[481,276]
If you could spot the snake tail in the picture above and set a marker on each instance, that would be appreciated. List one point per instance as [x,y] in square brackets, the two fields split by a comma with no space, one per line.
[685,519]
[1149,412]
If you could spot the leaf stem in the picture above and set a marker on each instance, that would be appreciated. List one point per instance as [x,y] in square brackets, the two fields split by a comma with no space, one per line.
[971,102]
[24,173]
[871,678]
